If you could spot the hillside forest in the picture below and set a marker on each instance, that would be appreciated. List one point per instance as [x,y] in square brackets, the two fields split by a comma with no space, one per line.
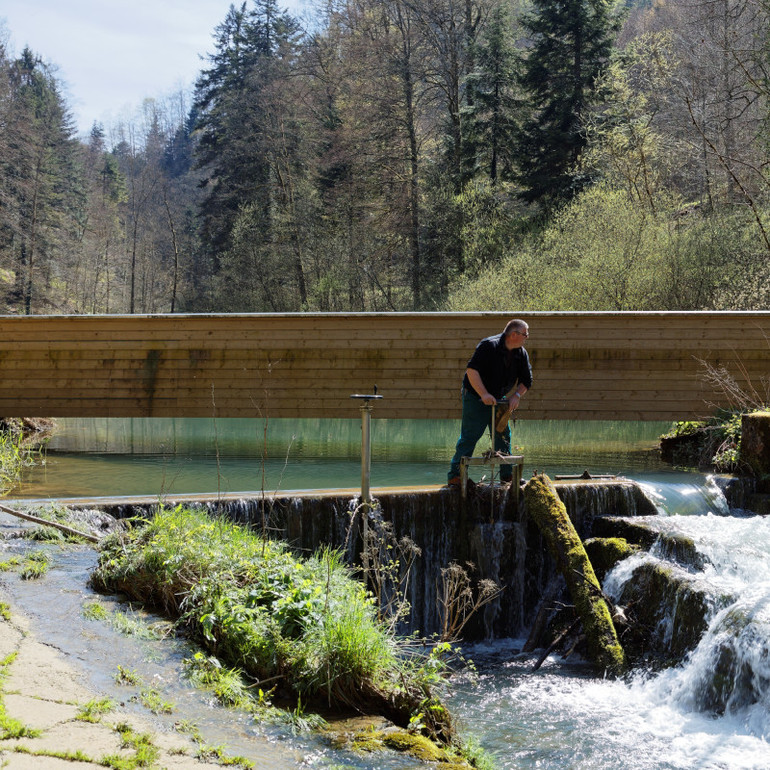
[383,155]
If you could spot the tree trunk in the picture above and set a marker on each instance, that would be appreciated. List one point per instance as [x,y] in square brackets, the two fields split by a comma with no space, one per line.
[548,512]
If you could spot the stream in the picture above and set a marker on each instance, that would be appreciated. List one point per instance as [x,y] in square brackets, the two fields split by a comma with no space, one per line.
[560,716]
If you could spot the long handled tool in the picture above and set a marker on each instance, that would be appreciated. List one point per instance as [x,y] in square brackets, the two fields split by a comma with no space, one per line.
[46,523]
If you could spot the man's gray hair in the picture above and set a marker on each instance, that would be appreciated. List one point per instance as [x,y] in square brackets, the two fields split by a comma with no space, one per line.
[514,326]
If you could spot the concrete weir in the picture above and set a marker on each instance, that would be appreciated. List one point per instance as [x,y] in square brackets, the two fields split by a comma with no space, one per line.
[488,534]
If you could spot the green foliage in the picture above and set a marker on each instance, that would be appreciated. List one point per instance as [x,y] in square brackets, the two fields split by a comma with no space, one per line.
[606,251]
[127,676]
[218,755]
[490,226]
[304,624]
[145,752]
[30,567]
[684,428]
[712,443]
[227,684]
[491,115]
[570,45]
[624,145]
[152,699]
[14,458]
[94,710]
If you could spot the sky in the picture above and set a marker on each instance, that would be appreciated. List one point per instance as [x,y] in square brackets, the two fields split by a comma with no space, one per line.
[112,54]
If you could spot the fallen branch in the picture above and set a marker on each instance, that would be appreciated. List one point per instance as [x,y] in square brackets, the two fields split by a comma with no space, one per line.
[46,523]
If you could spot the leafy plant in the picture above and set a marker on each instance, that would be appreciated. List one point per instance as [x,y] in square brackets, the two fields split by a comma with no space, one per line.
[14,458]
[127,676]
[304,626]
[35,565]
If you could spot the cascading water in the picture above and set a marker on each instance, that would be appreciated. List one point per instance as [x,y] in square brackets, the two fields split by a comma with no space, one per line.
[710,711]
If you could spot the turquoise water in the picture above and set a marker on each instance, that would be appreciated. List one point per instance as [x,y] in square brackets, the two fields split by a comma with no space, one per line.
[153,456]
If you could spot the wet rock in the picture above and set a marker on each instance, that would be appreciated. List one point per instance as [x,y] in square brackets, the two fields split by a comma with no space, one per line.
[586,500]
[681,549]
[759,504]
[755,442]
[668,612]
[686,449]
[606,552]
[735,674]
[633,531]
[736,489]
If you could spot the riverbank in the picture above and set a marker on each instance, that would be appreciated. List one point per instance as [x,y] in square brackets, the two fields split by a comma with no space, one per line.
[50,720]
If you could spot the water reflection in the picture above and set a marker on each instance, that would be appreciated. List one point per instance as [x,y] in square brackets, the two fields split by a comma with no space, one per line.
[154,456]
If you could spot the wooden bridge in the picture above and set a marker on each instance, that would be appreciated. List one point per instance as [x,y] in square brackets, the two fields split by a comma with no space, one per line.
[588,366]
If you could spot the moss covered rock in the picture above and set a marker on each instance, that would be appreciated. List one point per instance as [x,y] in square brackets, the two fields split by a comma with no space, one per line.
[606,552]
[668,613]
[404,742]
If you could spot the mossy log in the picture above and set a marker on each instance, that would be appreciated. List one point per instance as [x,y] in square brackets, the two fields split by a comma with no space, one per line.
[549,513]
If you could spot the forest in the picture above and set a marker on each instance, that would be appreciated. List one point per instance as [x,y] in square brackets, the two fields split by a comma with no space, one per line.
[394,155]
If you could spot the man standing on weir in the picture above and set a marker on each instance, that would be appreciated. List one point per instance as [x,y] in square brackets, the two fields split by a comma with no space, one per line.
[499,370]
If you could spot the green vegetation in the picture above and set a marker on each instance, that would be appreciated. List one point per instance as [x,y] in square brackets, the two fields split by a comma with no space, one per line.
[713,443]
[126,622]
[304,629]
[607,251]
[145,751]
[434,151]
[95,709]
[9,727]
[218,754]
[57,514]
[152,699]
[30,567]
[14,458]
[127,676]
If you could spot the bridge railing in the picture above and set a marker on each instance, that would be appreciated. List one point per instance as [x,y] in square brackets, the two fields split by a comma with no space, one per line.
[588,366]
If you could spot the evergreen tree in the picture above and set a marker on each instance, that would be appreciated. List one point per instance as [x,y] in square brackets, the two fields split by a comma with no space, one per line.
[41,178]
[490,127]
[571,41]
[252,46]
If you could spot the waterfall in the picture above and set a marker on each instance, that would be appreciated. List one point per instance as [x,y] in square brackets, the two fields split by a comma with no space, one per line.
[488,535]
[727,669]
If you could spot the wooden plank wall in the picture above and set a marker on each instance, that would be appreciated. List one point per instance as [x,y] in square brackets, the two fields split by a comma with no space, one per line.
[588,366]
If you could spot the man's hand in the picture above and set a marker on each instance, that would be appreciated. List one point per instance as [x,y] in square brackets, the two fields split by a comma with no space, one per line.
[489,399]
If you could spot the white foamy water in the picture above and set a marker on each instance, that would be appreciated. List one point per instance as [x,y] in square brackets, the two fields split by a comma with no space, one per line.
[710,712]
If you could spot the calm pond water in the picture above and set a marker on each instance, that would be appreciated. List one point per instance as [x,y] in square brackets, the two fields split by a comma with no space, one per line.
[125,457]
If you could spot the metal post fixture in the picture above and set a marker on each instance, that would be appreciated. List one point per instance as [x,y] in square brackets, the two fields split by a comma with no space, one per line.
[366,451]
[366,443]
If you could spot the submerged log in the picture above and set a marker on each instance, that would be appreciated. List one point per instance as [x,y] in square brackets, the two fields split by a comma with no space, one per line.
[548,512]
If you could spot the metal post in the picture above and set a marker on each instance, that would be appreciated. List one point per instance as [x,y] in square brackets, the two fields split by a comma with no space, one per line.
[366,444]
[366,466]
[366,451]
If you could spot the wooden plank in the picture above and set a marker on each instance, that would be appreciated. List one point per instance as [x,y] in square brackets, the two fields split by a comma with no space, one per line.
[587,364]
